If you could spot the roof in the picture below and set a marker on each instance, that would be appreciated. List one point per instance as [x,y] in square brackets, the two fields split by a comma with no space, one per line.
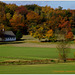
[9,34]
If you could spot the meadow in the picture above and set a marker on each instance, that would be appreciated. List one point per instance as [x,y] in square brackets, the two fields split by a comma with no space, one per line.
[29,53]
[32,49]
[60,68]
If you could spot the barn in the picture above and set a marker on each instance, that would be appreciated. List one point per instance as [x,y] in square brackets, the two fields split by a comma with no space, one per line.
[8,36]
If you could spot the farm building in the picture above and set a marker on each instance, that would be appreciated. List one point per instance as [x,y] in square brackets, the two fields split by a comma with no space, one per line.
[8,36]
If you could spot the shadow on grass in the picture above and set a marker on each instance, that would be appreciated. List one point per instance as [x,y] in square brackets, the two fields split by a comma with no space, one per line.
[13,42]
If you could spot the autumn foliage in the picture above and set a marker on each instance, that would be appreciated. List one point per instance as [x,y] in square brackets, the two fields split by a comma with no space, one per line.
[69,36]
[33,17]
[40,22]
[22,10]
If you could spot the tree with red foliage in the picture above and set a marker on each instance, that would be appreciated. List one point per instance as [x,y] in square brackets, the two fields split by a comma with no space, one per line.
[69,36]
[66,27]
[22,10]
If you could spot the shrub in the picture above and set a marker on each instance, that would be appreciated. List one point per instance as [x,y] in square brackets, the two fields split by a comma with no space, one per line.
[52,60]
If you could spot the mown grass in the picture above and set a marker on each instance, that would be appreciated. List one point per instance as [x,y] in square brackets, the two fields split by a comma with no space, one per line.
[29,53]
[62,68]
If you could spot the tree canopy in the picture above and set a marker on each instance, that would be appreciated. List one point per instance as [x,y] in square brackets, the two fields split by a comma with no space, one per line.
[39,21]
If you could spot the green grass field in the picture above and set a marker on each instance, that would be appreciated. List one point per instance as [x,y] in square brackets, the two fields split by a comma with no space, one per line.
[62,68]
[29,53]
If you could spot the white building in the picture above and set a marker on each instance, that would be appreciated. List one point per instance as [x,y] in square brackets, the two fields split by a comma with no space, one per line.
[8,36]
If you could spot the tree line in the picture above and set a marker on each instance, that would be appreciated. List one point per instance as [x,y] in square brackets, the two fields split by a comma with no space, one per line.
[42,22]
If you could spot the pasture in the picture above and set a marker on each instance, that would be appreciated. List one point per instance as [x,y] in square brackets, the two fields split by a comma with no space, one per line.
[60,68]
[29,53]
[31,49]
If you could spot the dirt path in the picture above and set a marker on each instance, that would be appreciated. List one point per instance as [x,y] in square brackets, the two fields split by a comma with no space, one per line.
[38,45]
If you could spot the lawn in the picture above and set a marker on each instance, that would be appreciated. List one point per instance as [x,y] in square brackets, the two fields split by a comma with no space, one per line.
[61,68]
[29,53]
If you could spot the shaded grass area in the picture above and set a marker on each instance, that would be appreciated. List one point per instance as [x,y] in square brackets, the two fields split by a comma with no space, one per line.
[62,68]
[29,53]
[11,42]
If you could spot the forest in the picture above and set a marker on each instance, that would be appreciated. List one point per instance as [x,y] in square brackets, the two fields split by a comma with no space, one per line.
[42,22]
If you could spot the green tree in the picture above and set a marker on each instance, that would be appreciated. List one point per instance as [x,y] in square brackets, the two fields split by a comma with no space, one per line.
[73,30]
[60,8]
[19,35]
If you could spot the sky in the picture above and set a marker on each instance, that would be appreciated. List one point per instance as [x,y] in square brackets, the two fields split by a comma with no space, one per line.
[53,4]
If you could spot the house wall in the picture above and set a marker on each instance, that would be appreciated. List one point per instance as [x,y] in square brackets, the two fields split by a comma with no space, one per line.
[10,39]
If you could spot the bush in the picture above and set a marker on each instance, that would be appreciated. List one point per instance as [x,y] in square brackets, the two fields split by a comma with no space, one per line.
[18,35]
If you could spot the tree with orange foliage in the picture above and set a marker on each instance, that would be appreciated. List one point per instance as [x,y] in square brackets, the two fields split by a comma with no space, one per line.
[66,27]
[17,22]
[50,35]
[33,17]
[69,36]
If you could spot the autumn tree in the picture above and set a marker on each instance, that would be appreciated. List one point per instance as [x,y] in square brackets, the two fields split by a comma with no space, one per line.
[50,35]
[33,17]
[22,10]
[65,25]
[3,20]
[63,49]
[8,16]
[65,36]
[17,22]
[72,18]
[38,10]
[10,8]
[39,31]
[31,7]
[2,31]
[46,12]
